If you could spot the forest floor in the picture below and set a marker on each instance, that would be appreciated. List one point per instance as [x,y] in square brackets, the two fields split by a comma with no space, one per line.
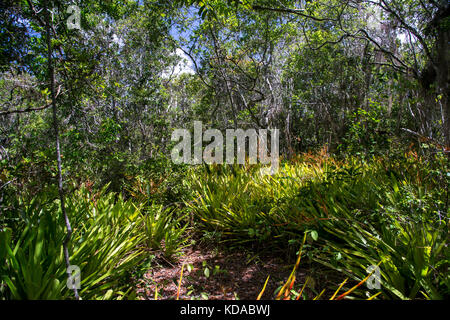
[233,275]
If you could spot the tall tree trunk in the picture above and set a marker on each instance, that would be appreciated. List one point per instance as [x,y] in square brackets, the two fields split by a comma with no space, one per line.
[51,76]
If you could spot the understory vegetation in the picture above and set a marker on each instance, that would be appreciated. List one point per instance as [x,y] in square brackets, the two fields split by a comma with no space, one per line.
[354,94]
[355,213]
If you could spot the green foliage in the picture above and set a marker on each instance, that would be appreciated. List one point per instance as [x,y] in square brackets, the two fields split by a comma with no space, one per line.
[165,231]
[409,244]
[32,265]
[316,73]
[357,214]
[106,244]
[367,133]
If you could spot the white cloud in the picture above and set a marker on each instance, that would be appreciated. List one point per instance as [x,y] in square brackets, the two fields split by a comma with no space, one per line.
[185,65]
[117,40]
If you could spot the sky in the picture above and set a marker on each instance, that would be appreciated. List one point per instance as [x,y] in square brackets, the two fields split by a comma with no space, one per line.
[184,66]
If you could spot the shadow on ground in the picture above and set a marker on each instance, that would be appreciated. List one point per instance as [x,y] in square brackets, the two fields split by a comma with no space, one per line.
[232,275]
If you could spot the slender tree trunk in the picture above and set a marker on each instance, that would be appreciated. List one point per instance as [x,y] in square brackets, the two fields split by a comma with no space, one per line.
[230,96]
[51,75]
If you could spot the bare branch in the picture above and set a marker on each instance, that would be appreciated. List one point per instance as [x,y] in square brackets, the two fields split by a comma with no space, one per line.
[4,113]
[293,11]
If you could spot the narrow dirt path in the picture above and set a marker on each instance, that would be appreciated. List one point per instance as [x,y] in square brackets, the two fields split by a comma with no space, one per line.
[230,275]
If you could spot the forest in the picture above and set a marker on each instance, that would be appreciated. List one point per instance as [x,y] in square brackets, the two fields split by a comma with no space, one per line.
[224,149]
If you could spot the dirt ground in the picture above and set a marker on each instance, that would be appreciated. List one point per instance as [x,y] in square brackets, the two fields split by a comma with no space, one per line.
[232,275]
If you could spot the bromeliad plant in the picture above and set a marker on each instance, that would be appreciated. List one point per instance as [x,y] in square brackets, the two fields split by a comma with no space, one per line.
[107,243]
[286,292]
[164,230]
[243,204]
[387,211]
[412,249]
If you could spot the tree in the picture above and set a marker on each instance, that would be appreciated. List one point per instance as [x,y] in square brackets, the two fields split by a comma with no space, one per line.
[424,26]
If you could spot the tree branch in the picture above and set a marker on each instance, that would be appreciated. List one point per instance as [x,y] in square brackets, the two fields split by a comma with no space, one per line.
[293,11]
[4,113]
